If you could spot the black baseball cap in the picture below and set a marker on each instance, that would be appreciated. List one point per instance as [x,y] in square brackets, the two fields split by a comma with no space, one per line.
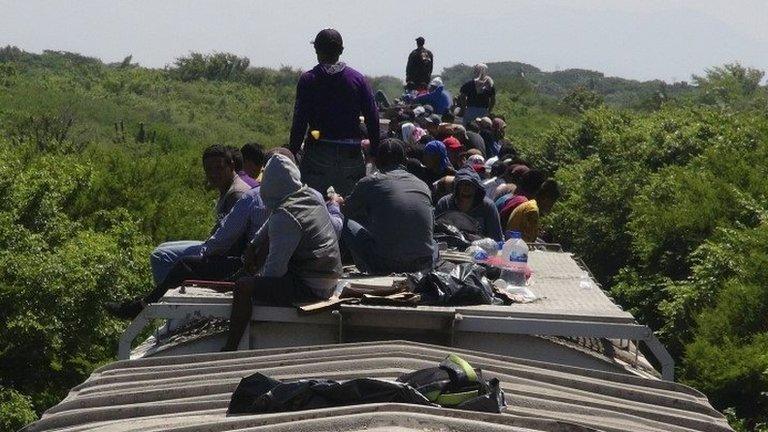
[328,40]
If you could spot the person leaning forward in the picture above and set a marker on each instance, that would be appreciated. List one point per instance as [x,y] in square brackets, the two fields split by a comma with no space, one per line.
[330,98]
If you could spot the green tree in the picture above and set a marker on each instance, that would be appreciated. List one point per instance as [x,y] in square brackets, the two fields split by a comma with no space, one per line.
[728,83]
[15,410]
[580,99]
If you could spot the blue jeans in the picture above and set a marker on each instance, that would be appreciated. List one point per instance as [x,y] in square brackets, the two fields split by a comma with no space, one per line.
[326,164]
[362,246]
[164,257]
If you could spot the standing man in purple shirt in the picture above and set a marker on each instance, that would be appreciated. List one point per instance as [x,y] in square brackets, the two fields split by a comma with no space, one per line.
[330,99]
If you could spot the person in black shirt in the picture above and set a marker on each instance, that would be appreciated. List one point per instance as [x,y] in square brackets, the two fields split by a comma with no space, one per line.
[418,72]
[477,96]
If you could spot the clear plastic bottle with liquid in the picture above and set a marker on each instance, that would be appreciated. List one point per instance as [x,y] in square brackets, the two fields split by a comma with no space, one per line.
[515,249]
[515,252]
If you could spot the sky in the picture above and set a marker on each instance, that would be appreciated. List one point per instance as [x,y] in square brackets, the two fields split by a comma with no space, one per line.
[641,39]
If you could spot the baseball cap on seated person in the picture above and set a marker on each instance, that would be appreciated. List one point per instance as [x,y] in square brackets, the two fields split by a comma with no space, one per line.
[477,167]
[436,82]
[451,143]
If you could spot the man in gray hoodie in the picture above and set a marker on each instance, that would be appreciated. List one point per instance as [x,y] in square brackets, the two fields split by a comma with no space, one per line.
[302,260]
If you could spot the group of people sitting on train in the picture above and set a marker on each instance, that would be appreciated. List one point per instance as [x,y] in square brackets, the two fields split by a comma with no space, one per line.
[286,218]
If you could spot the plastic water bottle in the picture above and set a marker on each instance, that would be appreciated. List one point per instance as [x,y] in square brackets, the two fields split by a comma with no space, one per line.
[488,245]
[480,256]
[477,253]
[515,249]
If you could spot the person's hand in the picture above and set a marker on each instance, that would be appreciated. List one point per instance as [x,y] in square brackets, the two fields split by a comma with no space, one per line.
[336,199]
[298,155]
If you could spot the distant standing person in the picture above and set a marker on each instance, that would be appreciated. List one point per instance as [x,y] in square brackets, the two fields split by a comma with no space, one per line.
[330,98]
[477,96]
[418,72]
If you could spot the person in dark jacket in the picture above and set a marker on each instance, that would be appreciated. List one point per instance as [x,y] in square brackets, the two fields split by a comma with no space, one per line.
[469,197]
[485,129]
[477,97]
[470,139]
[300,251]
[390,217]
[330,98]
[419,68]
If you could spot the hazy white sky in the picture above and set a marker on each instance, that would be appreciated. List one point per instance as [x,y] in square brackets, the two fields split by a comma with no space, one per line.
[640,39]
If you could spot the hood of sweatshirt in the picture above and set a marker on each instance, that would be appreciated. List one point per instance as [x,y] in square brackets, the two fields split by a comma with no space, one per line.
[281,179]
[467,174]
[331,69]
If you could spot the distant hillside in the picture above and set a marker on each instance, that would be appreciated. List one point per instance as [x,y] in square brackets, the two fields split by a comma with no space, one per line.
[522,77]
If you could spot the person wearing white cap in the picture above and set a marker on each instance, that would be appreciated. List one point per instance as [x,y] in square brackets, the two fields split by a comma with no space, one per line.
[477,96]
[437,97]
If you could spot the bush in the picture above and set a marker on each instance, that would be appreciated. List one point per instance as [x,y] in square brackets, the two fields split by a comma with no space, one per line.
[15,410]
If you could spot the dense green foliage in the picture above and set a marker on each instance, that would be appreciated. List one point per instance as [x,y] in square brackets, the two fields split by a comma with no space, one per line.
[554,86]
[84,196]
[669,210]
[664,197]
[15,410]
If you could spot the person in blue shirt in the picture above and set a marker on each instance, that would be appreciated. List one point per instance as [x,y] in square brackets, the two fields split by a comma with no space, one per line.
[219,256]
[437,97]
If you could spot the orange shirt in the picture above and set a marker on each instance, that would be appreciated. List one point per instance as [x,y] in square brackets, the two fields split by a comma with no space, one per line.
[525,219]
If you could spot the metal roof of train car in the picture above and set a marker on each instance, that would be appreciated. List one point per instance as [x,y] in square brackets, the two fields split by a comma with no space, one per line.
[564,310]
[191,393]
